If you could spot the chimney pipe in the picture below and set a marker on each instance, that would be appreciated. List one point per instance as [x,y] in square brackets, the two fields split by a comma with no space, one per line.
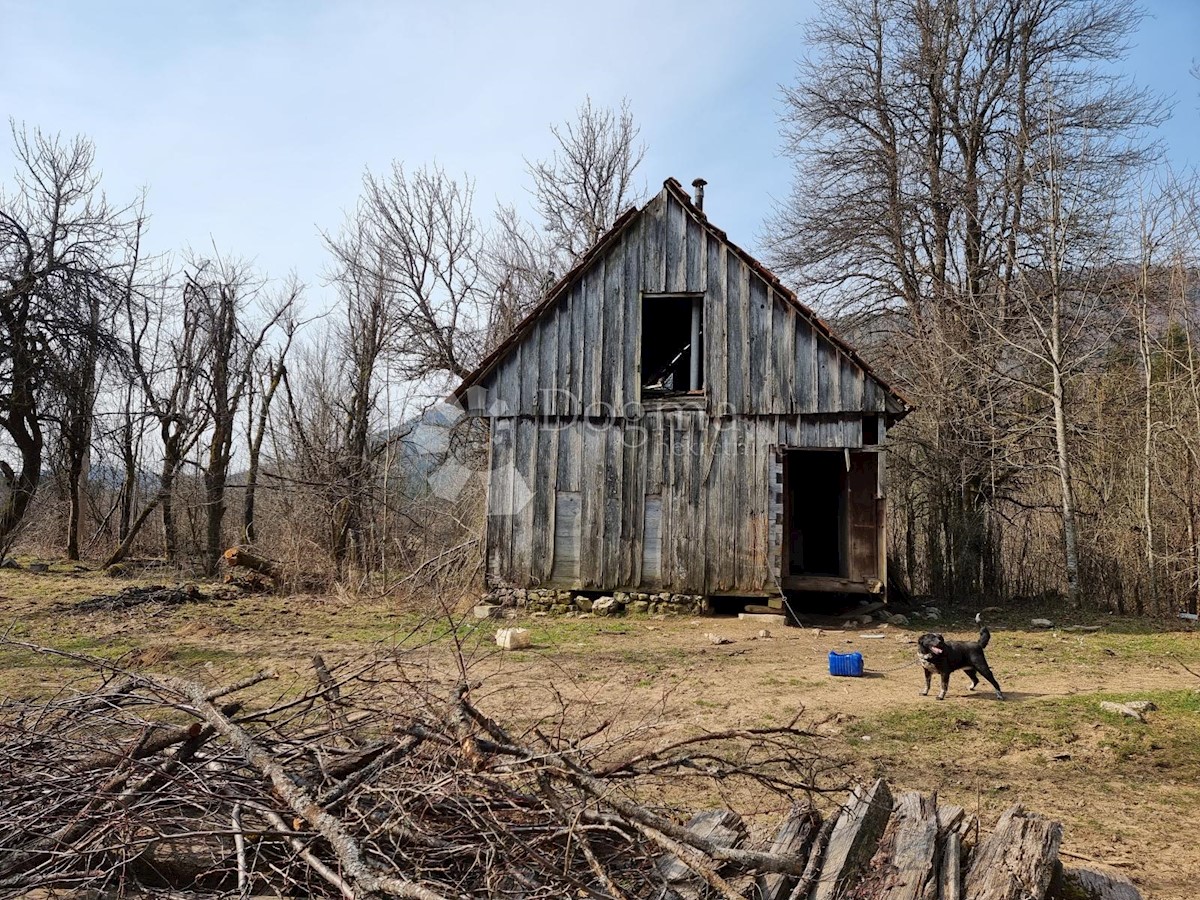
[699,184]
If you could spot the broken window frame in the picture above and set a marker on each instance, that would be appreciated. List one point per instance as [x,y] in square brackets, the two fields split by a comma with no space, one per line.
[695,368]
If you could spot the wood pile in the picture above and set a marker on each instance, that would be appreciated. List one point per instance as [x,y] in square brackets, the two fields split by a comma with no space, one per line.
[385,778]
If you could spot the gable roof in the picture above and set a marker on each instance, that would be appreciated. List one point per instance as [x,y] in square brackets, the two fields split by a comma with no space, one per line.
[672,187]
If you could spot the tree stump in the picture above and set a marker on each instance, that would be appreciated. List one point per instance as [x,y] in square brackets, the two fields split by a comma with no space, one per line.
[904,866]
[1017,860]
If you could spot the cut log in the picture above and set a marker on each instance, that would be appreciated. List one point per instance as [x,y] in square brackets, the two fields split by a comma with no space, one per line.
[240,556]
[724,828]
[904,866]
[794,838]
[720,826]
[1097,884]
[950,868]
[1017,860]
[949,816]
[853,841]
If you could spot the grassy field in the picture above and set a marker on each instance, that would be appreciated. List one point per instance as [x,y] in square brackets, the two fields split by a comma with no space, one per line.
[1126,791]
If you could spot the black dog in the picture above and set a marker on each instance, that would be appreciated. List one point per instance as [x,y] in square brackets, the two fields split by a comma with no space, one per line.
[937,654]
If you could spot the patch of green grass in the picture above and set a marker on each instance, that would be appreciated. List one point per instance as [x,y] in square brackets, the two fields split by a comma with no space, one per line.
[906,727]
[1169,739]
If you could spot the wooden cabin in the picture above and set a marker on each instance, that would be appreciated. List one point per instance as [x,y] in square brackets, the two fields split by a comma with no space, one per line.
[671,418]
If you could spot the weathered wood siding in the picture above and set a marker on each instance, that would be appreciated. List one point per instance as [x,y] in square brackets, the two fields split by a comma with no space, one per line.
[762,356]
[591,488]
[675,499]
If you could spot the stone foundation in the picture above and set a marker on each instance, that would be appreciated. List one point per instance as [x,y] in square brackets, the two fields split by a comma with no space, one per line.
[560,602]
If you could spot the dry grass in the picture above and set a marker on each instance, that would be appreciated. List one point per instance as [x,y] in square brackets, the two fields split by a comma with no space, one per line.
[1126,791]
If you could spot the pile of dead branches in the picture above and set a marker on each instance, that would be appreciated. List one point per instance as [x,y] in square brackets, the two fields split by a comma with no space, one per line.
[128,598]
[379,778]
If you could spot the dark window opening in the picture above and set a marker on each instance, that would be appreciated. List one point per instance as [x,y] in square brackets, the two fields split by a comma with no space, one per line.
[870,431]
[672,344]
[815,482]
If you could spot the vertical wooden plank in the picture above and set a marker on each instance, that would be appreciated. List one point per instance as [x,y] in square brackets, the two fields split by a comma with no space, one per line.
[548,365]
[697,256]
[544,491]
[578,360]
[696,575]
[610,352]
[653,258]
[760,561]
[735,463]
[616,331]
[506,387]
[706,431]
[633,337]
[530,367]
[566,353]
[851,384]
[593,342]
[632,494]
[757,336]
[651,557]
[735,335]
[861,512]
[567,475]
[611,535]
[745,278]
[716,355]
[590,479]
[567,538]
[714,515]
[676,246]
[806,367]
[524,486]
[783,343]
[500,501]
[684,549]
[654,452]
[667,490]
[828,377]
[871,395]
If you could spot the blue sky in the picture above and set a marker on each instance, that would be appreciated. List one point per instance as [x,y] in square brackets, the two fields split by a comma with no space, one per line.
[251,123]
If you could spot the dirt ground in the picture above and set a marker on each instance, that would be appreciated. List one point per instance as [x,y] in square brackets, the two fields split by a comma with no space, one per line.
[1128,793]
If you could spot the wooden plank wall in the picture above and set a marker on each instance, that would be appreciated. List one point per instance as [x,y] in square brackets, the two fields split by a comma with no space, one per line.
[708,480]
[761,357]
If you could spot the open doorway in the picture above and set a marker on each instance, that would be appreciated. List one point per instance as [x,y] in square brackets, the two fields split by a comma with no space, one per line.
[815,512]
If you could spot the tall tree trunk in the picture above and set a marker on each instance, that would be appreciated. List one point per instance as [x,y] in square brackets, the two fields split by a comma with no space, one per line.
[26,434]
[129,463]
[1147,509]
[256,442]
[1069,525]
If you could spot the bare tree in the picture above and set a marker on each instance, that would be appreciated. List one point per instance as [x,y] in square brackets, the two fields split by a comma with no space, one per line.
[166,352]
[260,397]
[589,179]
[917,129]
[521,264]
[335,426]
[415,237]
[62,255]
[222,293]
